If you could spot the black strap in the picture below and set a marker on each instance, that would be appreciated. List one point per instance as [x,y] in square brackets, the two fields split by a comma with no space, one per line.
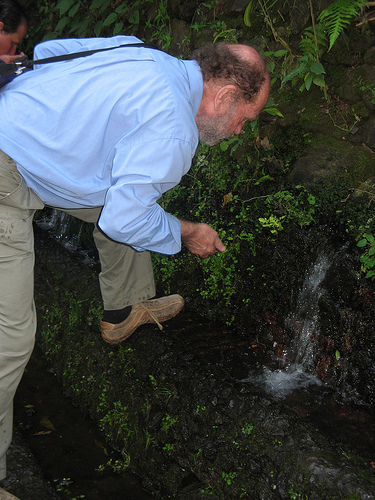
[23,63]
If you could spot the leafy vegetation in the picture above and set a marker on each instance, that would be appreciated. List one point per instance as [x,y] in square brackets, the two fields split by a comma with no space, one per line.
[366,241]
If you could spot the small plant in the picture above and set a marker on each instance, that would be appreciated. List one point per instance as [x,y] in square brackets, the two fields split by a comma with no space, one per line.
[168,422]
[117,466]
[247,429]
[116,418]
[208,491]
[150,441]
[309,70]
[120,466]
[168,448]
[369,88]
[161,27]
[367,242]
[273,223]
[293,495]
[62,486]
[228,477]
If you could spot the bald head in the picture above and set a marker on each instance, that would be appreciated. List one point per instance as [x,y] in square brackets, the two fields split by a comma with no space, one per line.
[231,64]
[236,87]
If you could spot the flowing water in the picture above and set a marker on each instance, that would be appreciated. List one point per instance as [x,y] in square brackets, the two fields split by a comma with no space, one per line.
[294,370]
[67,230]
[289,378]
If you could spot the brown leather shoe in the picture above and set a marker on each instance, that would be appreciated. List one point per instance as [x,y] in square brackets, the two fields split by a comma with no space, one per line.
[150,311]
[4,495]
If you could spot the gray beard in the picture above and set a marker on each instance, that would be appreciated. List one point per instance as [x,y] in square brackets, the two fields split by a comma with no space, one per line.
[212,132]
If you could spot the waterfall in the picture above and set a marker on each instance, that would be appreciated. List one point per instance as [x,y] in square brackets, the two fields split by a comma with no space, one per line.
[68,230]
[295,370]
[304,322]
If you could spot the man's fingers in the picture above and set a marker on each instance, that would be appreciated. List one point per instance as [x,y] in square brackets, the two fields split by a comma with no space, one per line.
[220,246]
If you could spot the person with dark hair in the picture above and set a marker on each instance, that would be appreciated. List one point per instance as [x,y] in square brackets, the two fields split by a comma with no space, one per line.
[102,137]
[13,28]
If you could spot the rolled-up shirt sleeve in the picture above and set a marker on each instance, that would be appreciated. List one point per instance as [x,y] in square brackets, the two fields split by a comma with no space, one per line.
[140,175]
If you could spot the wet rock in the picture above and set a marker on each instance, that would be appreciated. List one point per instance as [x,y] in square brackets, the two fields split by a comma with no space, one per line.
[316,164]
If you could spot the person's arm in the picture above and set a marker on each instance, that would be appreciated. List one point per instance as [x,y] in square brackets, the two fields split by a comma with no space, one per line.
[140,173]
[200,239]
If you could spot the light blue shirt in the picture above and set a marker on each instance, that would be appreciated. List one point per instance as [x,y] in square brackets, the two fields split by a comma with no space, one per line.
[114,129]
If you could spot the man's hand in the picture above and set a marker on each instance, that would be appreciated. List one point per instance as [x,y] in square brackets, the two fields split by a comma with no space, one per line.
[9,59]
[200,239]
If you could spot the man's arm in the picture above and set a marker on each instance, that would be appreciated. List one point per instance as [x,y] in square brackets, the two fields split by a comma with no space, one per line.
[200,239]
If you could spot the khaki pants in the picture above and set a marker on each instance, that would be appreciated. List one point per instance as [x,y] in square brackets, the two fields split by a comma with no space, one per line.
[126,278]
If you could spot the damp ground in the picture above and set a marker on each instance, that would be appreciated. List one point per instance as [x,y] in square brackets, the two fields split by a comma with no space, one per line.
[69,451]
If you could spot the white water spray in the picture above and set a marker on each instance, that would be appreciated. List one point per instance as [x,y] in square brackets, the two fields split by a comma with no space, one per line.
[304,323]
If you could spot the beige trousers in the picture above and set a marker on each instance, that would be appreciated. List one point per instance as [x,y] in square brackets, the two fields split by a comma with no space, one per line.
[126,278]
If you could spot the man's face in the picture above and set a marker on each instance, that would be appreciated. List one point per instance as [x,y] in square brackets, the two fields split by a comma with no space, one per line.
[215,128]
[10,41]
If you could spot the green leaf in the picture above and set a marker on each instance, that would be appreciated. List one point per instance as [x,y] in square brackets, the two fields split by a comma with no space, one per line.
[123,7]
[98,28]
[273,112]
[290,76]
[73,11]
[280,53]
[371,250]
[271,66]
[105,4]
[317,68]
[117,29]
[362,243]
[134,18]
[311,199]
[224,145]
[308,80]
[337,355]
[319,81]
[270,103]
[338,15]
[369,237]
[83,28]
[246,16]
[110,19]
[61,24]
[64,6]
[95,4]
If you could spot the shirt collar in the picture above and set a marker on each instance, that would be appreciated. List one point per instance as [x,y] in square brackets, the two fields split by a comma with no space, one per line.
[196,83]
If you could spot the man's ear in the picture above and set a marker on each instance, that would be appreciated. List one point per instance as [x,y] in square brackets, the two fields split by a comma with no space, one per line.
[224,97]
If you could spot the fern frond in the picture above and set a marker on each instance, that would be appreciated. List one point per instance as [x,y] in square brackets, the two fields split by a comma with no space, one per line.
[307,44]
[338,15]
